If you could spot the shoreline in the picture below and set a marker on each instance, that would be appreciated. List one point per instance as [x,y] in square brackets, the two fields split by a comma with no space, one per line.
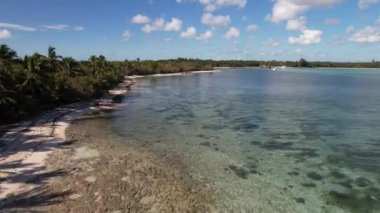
[174,74]
[26,146]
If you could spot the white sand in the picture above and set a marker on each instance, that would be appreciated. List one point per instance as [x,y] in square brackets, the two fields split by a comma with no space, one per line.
[26,147]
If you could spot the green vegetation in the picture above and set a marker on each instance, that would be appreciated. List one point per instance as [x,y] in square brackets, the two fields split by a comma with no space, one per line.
[39,81]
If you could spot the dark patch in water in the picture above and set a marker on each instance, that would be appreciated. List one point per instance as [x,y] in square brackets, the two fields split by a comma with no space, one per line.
[362,182]
[213,126]
[202,136]
[314,176]
[300,200]
[240,172]
[337,174]
[308,185]
[293,173]
[272,145]
[254,171]
[255,143]
[205,144]
[246,127]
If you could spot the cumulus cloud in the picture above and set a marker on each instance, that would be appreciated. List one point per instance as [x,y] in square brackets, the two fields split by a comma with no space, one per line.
[233,32]
[211,5]
[296,24]
[174,25]
[140,19]
[252,27]
[160,25]
[215,20]
[307,37]
[205,36]
[368,34]
[190,33]
[5,34]
[17,27]
[289,9]
[331,21]
[126,35]
[363,4]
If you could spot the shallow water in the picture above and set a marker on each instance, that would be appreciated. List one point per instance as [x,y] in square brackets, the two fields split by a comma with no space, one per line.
[296,140]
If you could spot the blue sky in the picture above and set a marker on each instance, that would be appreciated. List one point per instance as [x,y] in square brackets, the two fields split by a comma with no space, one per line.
[336,30]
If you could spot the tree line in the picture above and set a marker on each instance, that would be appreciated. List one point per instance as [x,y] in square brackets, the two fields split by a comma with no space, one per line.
[36,82]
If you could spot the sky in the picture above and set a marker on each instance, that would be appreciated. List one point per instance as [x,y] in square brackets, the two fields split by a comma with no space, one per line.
[326,30]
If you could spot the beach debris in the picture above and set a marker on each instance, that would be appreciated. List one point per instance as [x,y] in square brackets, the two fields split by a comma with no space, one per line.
[90,179]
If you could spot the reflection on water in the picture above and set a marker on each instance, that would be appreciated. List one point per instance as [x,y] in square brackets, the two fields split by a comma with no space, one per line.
[288,141]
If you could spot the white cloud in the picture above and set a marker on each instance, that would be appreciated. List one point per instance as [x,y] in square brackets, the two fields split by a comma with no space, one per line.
[211,5]
[296,24]
[174,25]
[57,27]
[126,35]
[160,25]
[205,36]
[140,19]
[210,19]
[252,27]
[5,34]
[368,34]
[233,32]
[363,4]
[190,33]
[78,28]
[17,27]
[289,9]
[331,21]
[307,37]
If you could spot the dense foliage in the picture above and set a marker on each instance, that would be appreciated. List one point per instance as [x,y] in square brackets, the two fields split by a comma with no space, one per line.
[39,81]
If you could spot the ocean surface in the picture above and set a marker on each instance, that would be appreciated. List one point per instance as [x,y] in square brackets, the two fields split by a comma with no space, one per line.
[294,140]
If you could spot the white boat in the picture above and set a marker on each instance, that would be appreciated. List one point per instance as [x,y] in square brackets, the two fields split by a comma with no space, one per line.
[280,67]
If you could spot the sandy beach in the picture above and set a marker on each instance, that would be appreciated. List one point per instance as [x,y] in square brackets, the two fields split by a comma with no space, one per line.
[40,166]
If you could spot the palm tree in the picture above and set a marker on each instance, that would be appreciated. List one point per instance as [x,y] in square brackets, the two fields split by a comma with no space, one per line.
[35,76]
[7,88]
[70,66]
[53,60]
[6,55]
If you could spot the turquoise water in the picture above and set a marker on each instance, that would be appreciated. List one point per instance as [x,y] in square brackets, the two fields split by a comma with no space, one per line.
[295,140]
